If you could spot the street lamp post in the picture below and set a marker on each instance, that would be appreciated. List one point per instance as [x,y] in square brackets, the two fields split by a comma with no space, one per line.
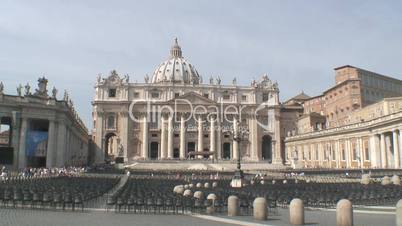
[238,135]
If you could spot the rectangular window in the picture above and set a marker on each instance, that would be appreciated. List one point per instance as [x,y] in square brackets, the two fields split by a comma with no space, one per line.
[226,97]
[366,151]
[244,98]
[206,95]
[5,131]
[176,95]
[111,122]
[112,92]
[155,95]
[136,95]
[265,97]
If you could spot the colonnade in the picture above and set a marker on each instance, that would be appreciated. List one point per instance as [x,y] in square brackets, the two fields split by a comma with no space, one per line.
[374,150]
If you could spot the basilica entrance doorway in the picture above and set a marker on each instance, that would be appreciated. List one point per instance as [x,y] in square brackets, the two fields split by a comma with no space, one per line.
[226,151]
[153,154]
[267,148]
[190,147]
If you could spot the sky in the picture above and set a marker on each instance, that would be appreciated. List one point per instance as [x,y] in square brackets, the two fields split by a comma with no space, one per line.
[297,43]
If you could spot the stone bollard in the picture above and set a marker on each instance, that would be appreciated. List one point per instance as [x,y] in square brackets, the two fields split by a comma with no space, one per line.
[344,213]
[215,184]
[187,193]
[365,179]
[198,195]
[211,209]
[198,185]
[385,180]
[179,190]
[206,185]
[260,209]
[233,206]
[399,213]
[296,212]
[396,180]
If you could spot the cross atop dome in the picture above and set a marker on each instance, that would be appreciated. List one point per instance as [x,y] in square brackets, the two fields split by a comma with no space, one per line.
[175,51]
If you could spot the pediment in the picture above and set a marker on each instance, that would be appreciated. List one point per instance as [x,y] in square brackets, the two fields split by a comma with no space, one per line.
[193,98]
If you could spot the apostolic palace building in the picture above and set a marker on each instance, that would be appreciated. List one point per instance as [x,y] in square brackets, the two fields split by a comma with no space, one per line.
[356,123]
[174,117]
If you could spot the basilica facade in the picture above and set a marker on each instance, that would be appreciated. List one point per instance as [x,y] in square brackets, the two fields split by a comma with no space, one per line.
[174,114]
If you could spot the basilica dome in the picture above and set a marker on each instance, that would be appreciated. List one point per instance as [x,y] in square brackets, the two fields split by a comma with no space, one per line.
[176,69]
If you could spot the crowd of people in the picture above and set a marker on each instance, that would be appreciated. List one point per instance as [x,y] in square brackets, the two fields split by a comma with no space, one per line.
[42,172]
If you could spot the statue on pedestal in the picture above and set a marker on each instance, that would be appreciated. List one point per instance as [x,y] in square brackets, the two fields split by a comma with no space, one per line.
[19,90]
[1,87]
[42,87]
[27,89]
[54,92]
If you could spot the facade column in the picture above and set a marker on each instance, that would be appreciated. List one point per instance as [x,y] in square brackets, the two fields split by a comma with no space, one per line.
[219,139]
[383,151]
[212,138]
[99,139]
[163,138]
[124,136]
[170,137]
[50,150]
[22,162]
[254,138]
[396,148]
[235,143]
[182,137]
[145,137]
[200,145]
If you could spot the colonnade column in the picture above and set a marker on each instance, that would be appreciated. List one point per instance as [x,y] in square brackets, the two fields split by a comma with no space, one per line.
[347,152]
[383,151]
[170,137]
[396,148]
[163,138]
[361,153]
[50,150]
[61,146]
[337,154]
[212,138]
[182,137]
[373,151]
[200,136]
[21,154]
[235,143]
[145,137]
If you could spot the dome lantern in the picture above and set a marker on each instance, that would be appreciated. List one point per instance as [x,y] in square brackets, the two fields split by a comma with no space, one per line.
[175,51]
